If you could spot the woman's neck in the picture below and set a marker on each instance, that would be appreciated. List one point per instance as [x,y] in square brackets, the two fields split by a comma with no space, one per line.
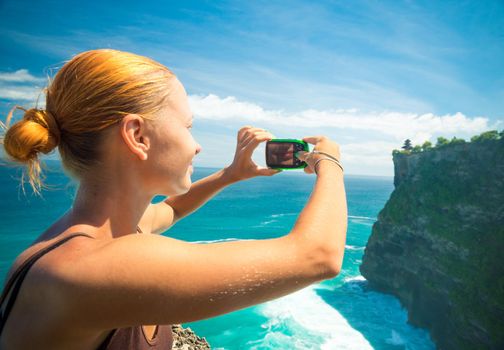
[110,210]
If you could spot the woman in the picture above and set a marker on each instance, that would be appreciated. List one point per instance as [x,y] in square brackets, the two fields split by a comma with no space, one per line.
[122,125]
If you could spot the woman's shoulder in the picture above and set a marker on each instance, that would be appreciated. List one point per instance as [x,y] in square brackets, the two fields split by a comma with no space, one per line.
[57,231]
[39,294]
[47,257]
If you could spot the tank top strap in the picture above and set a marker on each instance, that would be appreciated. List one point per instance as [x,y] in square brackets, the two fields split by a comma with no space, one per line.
[18,276]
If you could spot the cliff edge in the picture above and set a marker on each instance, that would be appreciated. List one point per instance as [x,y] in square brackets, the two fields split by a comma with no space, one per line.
[438,244]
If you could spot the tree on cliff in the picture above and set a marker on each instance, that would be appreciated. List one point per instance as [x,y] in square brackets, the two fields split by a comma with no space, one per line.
[455,140]
[407,145]
[427,145]
[416,149]
[486,136]
[441,141]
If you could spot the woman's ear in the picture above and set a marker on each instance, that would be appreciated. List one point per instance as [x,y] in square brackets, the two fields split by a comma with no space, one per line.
[133,132]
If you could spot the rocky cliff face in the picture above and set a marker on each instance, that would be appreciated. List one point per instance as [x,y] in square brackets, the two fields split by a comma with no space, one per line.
[438,244]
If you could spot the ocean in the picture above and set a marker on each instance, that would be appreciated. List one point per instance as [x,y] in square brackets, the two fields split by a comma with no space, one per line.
[341,313]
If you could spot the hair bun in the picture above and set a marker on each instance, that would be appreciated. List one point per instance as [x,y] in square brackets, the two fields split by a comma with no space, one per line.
[46,119]
[38,131]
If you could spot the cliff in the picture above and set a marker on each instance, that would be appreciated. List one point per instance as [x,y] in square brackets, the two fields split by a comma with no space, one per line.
[438,243]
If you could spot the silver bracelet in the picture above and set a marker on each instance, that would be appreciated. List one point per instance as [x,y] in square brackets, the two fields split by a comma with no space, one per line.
[330,159]
[325,154]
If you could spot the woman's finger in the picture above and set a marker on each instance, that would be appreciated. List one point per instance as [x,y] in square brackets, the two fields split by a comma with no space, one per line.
[257,138]
[245,131]
[301,155]
[268,171]
[253,135]
[255,141]
[242,131]
[313,139]
[304,156]
[249,132]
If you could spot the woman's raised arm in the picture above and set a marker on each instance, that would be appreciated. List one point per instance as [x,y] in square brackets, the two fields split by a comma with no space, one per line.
[151,279]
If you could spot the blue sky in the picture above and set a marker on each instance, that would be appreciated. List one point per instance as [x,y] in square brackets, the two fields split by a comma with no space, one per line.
[368,74]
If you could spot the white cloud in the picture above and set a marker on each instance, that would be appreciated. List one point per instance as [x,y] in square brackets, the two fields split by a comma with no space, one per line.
[22,86]
[370,149]
[23,93]
[398,125]
[366,139]
[20,76]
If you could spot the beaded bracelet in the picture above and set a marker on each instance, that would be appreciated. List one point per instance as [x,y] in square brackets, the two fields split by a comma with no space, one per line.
[330,159]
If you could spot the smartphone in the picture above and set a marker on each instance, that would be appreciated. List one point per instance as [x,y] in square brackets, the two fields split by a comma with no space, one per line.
[280,153]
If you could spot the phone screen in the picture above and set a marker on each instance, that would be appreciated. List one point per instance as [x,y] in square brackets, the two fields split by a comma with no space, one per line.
[280,154]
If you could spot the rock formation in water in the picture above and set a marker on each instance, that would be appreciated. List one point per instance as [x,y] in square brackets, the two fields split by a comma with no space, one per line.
[438,244]
[186,339]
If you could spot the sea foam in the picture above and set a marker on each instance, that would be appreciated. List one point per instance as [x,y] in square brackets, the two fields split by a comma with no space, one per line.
[313,314]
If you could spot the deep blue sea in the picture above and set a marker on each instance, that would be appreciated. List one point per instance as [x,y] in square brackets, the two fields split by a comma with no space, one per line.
[342,313]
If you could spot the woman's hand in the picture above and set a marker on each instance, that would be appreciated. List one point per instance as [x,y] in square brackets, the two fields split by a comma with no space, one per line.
[243,167]
[322,144]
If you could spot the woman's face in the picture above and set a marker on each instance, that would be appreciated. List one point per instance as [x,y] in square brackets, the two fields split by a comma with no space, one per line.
[173,147]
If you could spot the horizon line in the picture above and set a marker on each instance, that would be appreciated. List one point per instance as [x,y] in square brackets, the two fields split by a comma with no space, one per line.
[208,167]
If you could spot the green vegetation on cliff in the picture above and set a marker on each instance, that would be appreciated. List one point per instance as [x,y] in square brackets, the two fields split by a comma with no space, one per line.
[491,135]
[438,241]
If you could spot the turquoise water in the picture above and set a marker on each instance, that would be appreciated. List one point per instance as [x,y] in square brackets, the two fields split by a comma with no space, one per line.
[342,313]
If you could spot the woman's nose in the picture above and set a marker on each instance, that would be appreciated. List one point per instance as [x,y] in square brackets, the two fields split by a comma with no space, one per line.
[198,148]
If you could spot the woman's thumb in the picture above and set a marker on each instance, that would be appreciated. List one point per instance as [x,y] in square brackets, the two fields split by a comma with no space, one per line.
[268,171]
[301,155]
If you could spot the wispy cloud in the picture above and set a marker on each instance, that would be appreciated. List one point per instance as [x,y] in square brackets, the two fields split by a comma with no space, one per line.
[366,138]
[23,93]
[64,46]
[263,69]
[399,56]
[19,76]
[399,126]
[21,86]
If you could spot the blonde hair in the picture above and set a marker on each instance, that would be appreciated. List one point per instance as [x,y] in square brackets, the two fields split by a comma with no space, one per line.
[90,93]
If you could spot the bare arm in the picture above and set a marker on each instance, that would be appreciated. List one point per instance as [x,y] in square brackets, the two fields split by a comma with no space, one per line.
[151,279]
[201,191]
[161,216]
[324,218]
